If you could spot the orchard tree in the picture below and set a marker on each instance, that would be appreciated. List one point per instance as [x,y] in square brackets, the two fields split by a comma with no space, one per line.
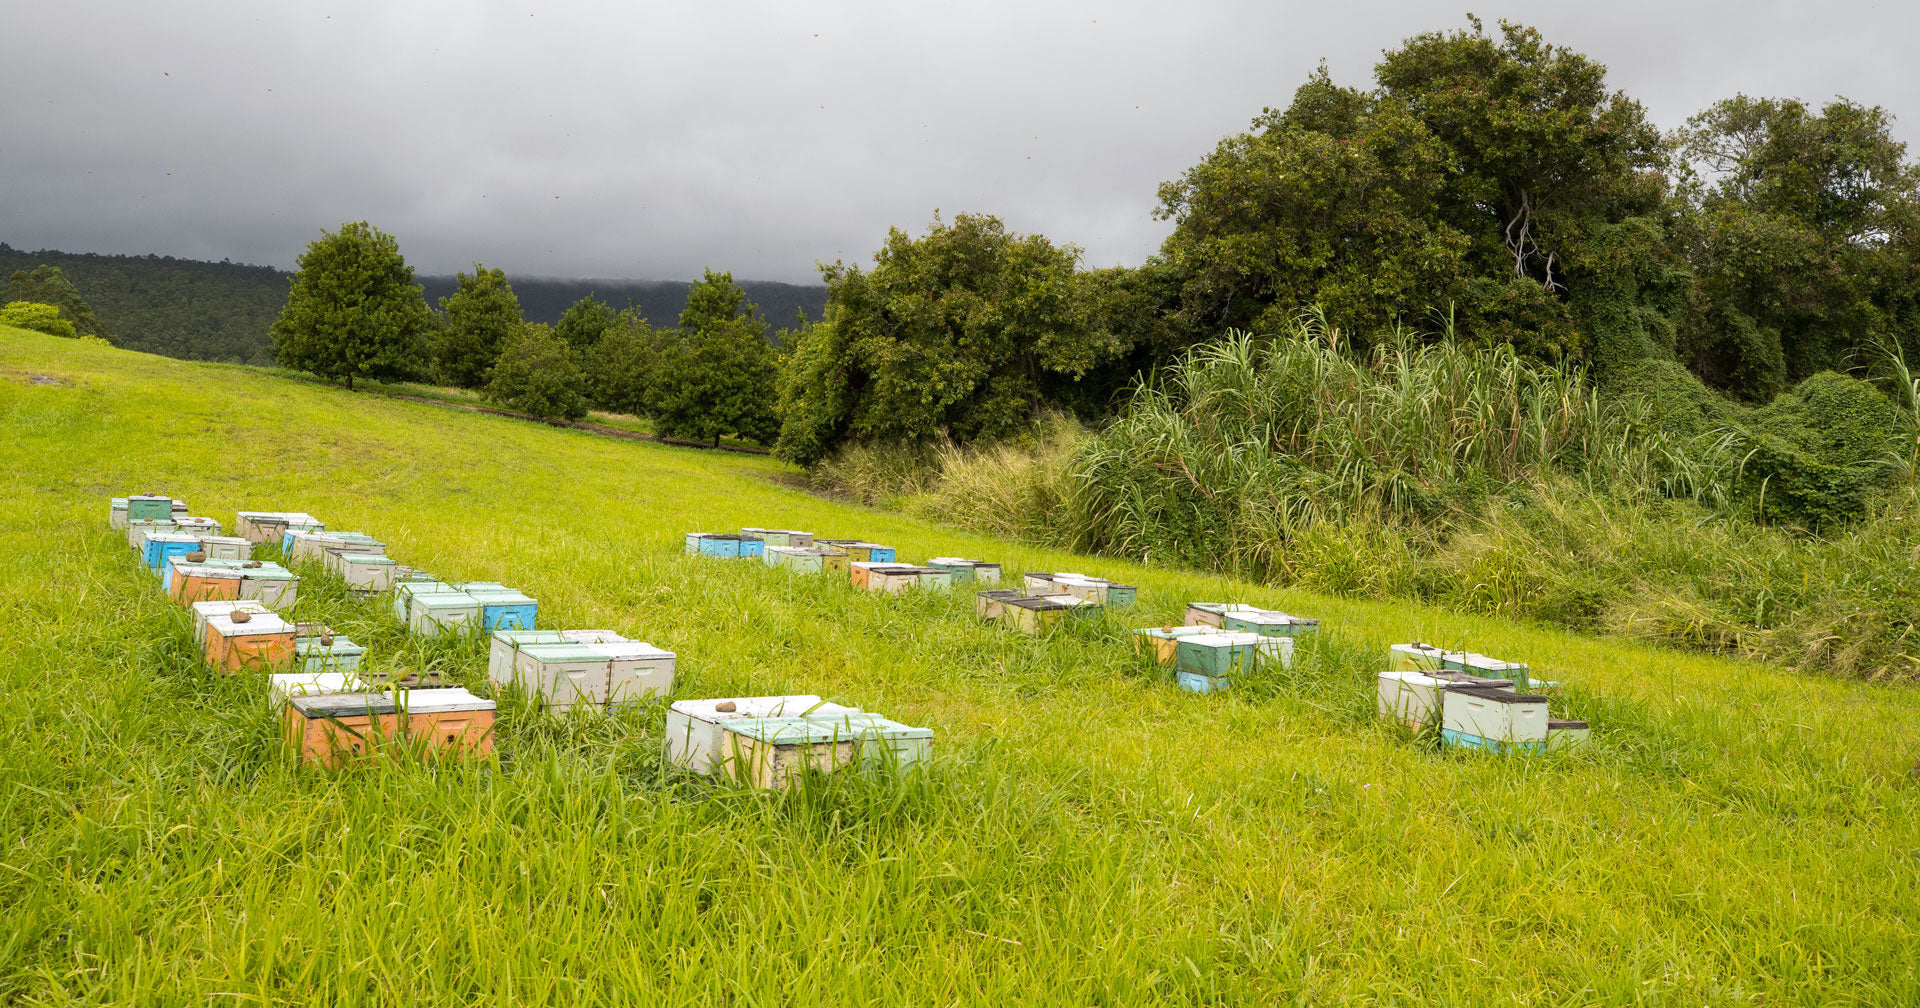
[482,313]
[49,286]
[353,310]
[584,322]
[716,375]
[535,373]
[964,333]
[621,369]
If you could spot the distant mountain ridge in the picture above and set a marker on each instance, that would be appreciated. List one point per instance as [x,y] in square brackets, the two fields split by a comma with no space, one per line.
[200,310]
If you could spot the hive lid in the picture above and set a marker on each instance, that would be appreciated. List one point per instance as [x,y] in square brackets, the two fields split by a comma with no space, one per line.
[562,652]
[340,646]
[445,600]
[268,574]
[1482,663]
[1218,638]
[1167,632]
[1044,602]
[592,636]
[627,650]
[500,596]
[208,570]
[366,558]
[757,707]
[267,622]
[1495,694]
[219,607]
[420,701]
[812,730]
[531,636]
[172,537]
[1002,593]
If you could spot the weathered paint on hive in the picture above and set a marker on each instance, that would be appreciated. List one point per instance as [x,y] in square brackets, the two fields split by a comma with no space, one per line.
[430,615]
[328,729]
[263,644]
[991,604]
[1500,717]
[694,733]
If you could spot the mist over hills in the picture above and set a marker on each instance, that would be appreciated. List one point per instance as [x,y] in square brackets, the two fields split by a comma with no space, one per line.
[200,310]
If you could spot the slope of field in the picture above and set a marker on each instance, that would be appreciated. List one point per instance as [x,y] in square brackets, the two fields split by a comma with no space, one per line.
[1736,835]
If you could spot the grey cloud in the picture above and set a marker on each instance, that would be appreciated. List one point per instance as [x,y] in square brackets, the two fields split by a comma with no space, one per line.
[649,140]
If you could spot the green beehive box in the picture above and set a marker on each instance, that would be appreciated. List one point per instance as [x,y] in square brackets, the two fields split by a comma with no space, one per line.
[1217,655]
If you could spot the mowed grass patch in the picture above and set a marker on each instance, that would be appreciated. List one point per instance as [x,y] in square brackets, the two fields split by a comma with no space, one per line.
[1086,835]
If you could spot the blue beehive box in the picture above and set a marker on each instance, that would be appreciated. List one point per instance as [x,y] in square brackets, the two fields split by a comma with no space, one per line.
[714,545]
[1195,682]
[164,546]
[503,608]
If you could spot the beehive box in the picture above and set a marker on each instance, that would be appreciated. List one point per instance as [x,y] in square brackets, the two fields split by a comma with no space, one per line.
[190,583]
[1194,682]
[170,571]
[600,675]
[860,573]
[164,546]
[895,579]
[226,547]
[506,645]
[139,528]
[283,686]
[435,613]
[639,671]
[966,571]
[694,732]
[1563,735]
[1110,594]
[504,608]
[932,578]
[1487,717]
[326,653]
[404,591]
[780,537]
[367,572]
[592,636]
[1037,584]
[1036,615]
[203,611]
[713,545]
[264,643]
[1223,654]
[196,525]
[802,559]
[273,585]
[117,512]
[774,753]
[991,604]
[311,547]
[148,506]
[1485,667]
[1213,614]
[1268,623]
[294,530]
[1159,643]
[327,729]
[1409,697]
[267,526]
[1415,657]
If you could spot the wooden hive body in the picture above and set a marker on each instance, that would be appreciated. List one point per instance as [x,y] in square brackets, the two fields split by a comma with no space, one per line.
[327,729]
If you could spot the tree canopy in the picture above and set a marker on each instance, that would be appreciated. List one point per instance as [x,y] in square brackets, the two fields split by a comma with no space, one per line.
[535,373]
[482,314]
[353,310]
[47,285]
[716,374]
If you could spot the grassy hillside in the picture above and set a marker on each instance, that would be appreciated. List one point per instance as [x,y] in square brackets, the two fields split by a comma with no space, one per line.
[1736,835]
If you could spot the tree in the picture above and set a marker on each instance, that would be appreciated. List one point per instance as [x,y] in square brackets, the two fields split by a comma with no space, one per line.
[1471,180]
[966,333]
[482,314]
[536,374]
[37,317]
[621,369]
[48,285]
[353,310]
[717,374]
[584,322]
[1802,229]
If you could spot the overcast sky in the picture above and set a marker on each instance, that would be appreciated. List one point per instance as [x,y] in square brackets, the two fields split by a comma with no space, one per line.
[647,140]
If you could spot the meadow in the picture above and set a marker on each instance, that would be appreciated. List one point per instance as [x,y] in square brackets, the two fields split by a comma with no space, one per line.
[1736,834]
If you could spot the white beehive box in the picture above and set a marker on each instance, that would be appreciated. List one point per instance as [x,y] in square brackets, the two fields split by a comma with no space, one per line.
[226,548]
[365,572]
[1415,657]
[274,586]
[637,671]
[506,645]
[1493,718]
[404,592]
[202,611]
[1411,698]
[430,615]
[774,752]
[694,727]
[592,636]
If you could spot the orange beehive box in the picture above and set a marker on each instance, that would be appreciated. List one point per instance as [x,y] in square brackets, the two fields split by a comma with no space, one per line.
[193,583]
[326,729]
[261,643]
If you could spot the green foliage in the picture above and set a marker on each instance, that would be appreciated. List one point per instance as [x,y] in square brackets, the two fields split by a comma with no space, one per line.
[717,374]
[1477,174]
[1802,232]
[620,370]
[482,315]
[1817,456]
[47,285]
[964,333]
[584,322]
[353,310]
[37,317]
[536,374]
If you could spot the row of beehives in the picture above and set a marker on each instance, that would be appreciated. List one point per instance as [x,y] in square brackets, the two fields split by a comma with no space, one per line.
[1222,640]
[331,709]
[1475,701]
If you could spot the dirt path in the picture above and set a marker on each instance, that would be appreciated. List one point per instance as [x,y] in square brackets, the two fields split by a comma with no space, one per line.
[594,428]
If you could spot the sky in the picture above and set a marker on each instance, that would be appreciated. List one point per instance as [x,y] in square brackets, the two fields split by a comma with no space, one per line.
[647,140]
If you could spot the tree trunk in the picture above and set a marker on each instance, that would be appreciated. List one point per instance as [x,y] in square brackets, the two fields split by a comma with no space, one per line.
[349,381]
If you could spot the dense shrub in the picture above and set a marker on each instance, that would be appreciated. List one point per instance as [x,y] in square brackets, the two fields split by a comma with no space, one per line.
[535,373]
[37,317]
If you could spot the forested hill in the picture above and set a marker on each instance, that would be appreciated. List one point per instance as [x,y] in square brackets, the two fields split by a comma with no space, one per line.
[221,310]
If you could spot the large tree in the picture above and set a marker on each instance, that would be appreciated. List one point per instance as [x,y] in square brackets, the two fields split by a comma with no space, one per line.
[584,322]
[1467,188]
[48,285]
[1802,231]
[716,375]
[536,374]
[482,314]
[621,370]
[353,310]
[964,333]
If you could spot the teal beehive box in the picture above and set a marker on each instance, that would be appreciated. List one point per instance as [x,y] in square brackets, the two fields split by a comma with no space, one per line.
[149,507]
[1194,682]
[164,546]
[1267,623]
[506,645]
[404,591]
[1219,655]
[429,615]
[504,608]
[327,653]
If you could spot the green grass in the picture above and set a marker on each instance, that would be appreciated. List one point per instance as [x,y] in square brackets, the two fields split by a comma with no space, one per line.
[1736,835]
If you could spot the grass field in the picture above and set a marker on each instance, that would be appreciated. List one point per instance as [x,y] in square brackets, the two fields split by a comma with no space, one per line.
[1087,835]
